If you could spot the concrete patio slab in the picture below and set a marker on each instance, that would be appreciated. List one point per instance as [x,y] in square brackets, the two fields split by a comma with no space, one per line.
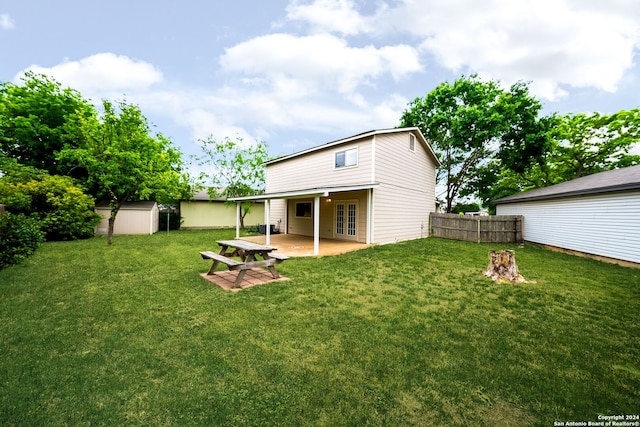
[302,246]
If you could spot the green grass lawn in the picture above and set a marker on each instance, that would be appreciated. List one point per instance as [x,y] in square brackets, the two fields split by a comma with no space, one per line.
[403,334]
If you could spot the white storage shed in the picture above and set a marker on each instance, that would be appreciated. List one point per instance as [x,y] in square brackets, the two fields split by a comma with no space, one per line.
[133,218]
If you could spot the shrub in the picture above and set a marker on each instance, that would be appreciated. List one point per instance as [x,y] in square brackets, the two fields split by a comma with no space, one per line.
[20,236]
[64,211]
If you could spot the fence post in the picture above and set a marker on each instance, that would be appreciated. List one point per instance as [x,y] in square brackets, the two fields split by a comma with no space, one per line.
[478,229]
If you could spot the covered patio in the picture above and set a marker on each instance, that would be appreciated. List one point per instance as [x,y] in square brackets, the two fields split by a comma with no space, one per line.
[348,208]
[302,246]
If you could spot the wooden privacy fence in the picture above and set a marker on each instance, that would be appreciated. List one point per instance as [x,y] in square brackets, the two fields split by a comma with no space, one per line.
[480,229]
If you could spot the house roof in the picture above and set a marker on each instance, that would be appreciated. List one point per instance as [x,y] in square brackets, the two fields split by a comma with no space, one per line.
[364,135]
[311,192]
[604,182]
[203,195]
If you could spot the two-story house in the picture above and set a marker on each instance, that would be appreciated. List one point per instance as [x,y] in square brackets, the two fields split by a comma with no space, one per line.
[375,187]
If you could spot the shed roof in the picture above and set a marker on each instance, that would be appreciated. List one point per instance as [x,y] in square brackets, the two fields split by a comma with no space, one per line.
[369,134]
[604,182]
[144,205]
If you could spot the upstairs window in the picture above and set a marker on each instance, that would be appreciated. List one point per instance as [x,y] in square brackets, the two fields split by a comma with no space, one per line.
[346,158]
[412,142]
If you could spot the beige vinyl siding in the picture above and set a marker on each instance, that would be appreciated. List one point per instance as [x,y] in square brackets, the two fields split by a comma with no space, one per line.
[317,169]
[397,166]
[277,212]
[406,194]
[203,215]
[400,215]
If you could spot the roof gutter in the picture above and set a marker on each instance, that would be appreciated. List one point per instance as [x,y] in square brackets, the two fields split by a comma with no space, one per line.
[609,189]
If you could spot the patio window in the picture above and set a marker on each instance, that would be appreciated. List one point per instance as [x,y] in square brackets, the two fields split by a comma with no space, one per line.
[346,158]
[303,210]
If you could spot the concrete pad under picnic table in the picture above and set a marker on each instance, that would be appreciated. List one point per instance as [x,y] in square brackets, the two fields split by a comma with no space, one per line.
[253,277]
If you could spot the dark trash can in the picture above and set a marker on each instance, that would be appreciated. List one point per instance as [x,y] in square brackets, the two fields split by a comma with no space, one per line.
[262,228]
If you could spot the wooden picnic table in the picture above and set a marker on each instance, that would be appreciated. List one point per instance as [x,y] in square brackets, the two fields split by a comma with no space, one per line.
[247,252]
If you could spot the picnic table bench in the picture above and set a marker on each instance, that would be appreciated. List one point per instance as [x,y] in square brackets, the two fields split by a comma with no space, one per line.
[247,252]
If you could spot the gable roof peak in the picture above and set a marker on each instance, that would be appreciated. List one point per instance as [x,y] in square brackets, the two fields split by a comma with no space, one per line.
[357,137]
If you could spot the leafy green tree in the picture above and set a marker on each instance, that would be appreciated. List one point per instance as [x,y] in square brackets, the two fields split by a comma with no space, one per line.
[470,121]
[581,144]
[124,161]
[591,143]
[234,169]
[38,118]
[12,171]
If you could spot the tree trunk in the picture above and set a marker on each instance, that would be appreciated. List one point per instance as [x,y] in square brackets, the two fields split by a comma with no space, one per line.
[112,222]
[502,267]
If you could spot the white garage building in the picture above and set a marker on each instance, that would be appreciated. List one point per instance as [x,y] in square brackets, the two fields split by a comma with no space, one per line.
[597,214]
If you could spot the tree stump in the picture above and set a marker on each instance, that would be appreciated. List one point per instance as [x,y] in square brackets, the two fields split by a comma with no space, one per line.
[502,267]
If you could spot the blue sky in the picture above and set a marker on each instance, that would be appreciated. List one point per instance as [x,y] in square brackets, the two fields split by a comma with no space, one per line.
[301,73]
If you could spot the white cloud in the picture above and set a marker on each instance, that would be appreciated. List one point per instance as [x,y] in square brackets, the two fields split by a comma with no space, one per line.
[6,23]
[549,42]
[103,74]
[335,16]
[206,123]
[298,66]
[218,113]
[553,43]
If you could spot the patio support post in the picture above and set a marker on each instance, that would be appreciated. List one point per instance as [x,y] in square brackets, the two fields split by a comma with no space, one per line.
[238,214]
[369,234]
[316,225]
[267,221]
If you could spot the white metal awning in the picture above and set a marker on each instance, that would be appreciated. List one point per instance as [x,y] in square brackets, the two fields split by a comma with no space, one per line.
[310,192]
